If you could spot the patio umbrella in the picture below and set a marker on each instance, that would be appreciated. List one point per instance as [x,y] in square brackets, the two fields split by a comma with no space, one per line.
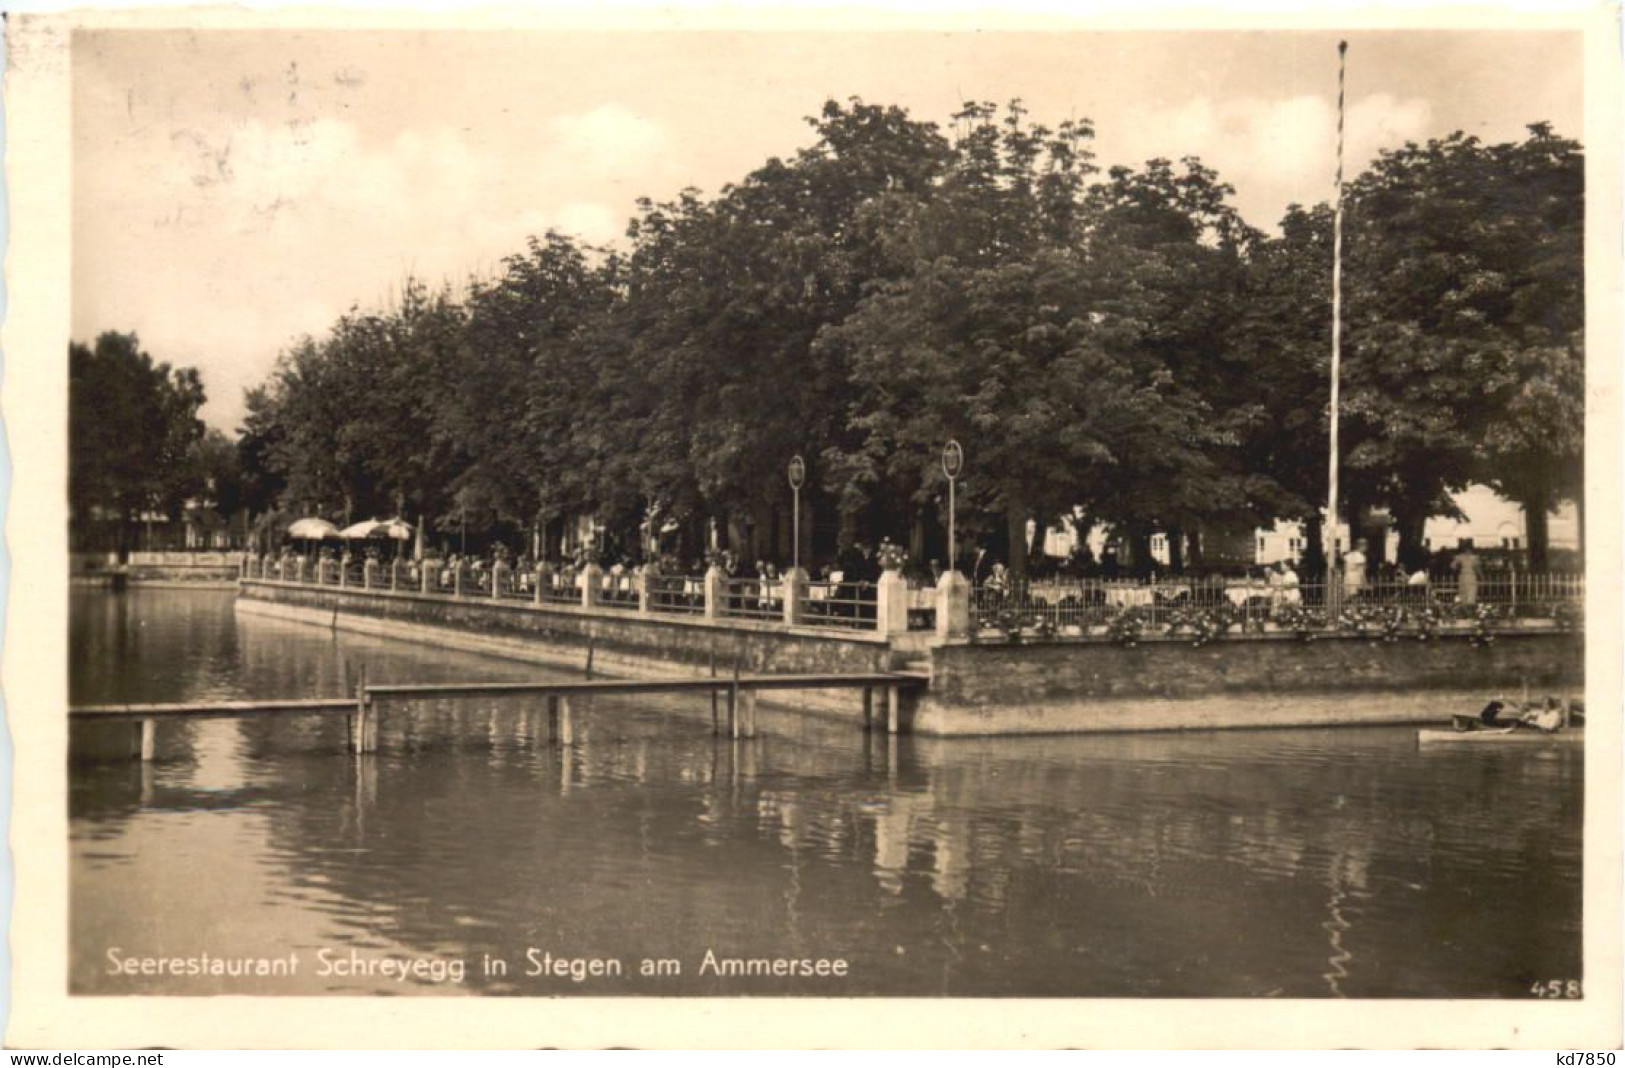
[312,529]
[398,529]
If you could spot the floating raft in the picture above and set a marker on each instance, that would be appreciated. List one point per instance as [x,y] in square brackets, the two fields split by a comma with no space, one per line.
[1507,736]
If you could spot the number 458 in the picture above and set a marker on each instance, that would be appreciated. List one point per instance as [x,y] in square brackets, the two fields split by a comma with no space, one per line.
[1556,989]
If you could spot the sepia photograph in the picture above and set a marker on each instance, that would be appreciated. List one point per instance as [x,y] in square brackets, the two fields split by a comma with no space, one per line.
[680,513]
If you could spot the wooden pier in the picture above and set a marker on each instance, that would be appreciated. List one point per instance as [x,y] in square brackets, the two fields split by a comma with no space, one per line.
[739,693]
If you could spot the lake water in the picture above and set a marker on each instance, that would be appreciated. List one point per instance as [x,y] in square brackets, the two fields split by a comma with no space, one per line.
[1284,863]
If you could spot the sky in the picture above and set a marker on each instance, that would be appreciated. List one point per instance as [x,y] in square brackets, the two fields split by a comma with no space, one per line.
[235,189]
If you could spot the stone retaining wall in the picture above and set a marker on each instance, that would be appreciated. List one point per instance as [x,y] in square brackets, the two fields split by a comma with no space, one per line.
[623,642]
[1255,681]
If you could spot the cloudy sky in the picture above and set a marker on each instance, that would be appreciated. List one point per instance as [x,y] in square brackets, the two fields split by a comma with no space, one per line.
[234,189]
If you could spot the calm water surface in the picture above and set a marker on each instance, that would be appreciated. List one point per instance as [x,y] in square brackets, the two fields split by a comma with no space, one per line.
[1295,863]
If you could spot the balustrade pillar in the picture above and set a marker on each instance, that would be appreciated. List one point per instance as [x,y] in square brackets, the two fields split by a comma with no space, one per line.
[716,592]
[795,595]
[640,582]
[592,585]
[499,572]
[953,605]
[891,603]
[369,574]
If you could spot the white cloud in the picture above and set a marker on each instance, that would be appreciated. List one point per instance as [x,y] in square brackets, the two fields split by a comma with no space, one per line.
[608,137]
[591,222]
[1273,151]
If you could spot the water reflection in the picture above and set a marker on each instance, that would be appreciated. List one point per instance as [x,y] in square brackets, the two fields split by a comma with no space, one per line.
[1290,863]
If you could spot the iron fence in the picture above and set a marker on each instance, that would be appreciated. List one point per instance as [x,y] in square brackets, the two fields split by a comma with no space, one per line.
[748,598]
[619,591]
[1202,604]
[676,593]
[840,604]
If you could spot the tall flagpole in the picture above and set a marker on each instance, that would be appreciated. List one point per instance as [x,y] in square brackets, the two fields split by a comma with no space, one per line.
[1334,590]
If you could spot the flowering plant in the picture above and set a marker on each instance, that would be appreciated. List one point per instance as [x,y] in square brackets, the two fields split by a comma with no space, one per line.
[1204,625]
[1126,627]
[1427,620]
[1302,621]
[891,556]
[1392,621]
[1484,619]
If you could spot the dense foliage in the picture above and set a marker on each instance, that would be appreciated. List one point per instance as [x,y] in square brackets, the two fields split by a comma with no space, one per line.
[139,448]
[1115,346]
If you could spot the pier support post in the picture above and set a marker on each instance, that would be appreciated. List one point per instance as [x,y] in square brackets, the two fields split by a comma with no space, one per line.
[891,603]
[552,719]
[795,595]
[953,605]
[567,731]
[747,712]
[733,710]
[891,709]
[363,724]
[145,740]
[868,708]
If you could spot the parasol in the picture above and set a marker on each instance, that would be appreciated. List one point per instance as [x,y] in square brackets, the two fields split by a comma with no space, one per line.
[312,529]
[398,529]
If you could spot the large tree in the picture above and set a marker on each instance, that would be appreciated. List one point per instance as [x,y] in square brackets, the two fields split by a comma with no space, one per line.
[132,424]
[1466,319]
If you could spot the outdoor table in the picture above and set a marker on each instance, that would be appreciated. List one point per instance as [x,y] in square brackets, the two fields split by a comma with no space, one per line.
[1239,594]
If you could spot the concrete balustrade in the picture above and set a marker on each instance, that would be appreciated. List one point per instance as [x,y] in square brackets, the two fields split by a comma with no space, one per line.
[793,589]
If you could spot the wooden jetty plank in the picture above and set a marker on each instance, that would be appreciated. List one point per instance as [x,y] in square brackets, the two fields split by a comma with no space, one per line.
[634,686]
[203,710]
[561,688]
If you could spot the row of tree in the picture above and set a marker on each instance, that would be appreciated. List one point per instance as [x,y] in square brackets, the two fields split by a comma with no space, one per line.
[1119,347]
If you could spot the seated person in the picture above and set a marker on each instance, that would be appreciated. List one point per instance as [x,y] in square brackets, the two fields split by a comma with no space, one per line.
[1547,718]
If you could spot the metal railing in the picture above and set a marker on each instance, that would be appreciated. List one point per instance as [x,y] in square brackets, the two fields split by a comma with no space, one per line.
[752,598]
[619,591]
[840,604]
[1173,604]
[560,587]
[676,593]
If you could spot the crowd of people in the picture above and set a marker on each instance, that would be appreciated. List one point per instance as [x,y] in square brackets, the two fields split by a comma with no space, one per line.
[856,567]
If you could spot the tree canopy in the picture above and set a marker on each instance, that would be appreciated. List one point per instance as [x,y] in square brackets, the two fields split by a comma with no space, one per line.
[135,432]
[1119,345]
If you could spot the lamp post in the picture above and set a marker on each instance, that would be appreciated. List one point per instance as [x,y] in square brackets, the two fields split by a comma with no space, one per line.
[953,462]
[798,475]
